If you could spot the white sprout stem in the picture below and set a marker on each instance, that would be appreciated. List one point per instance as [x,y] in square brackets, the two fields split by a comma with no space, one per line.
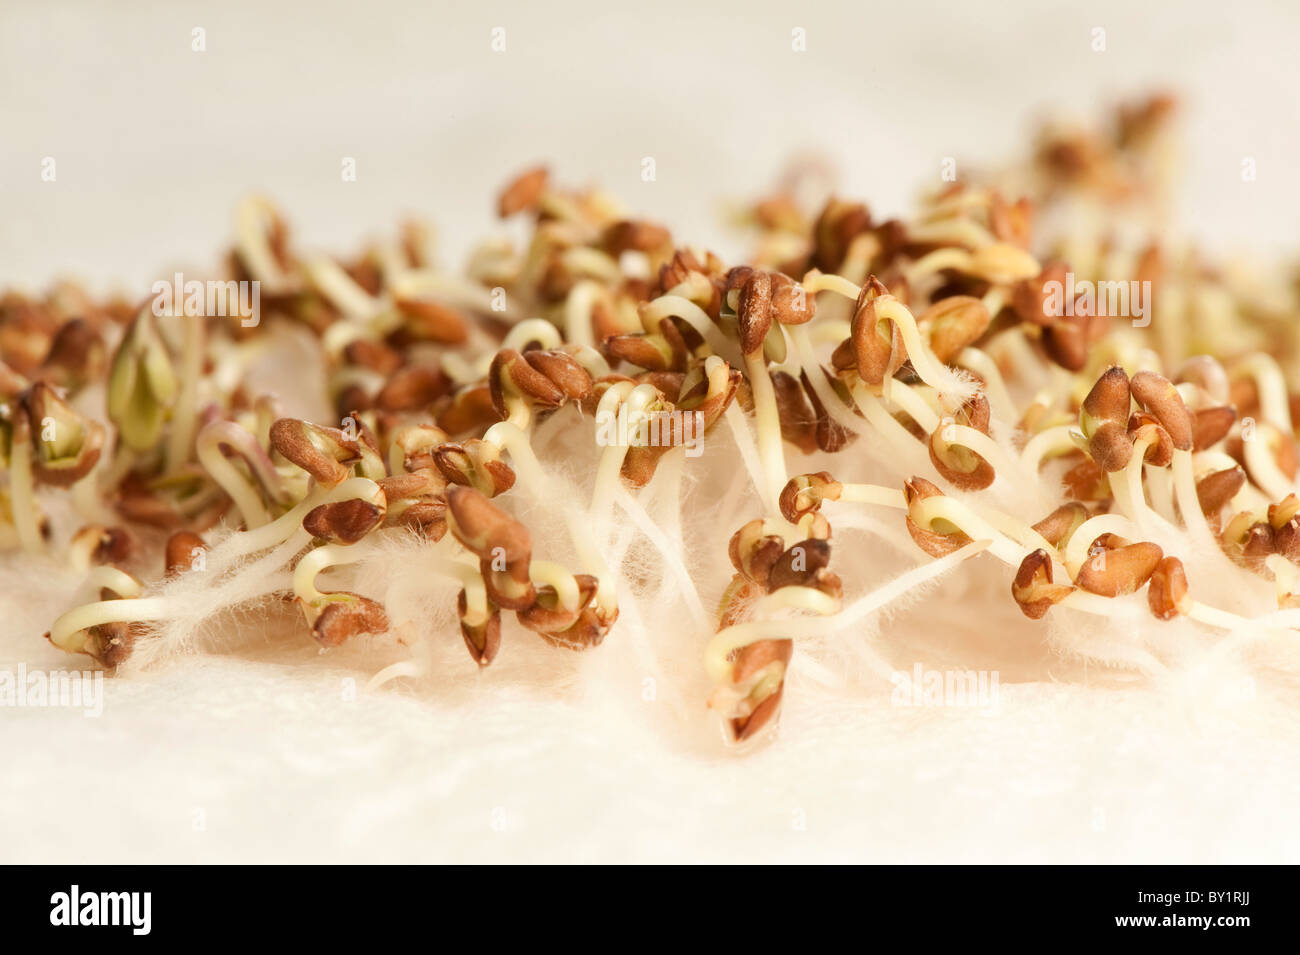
[1047,443]
[107,577]
[137,610]
[509,437]
[1076,550]
[830,331]
[740,635]
[1189,505]
[767,421]
[1126,486]
[231,479]
[519,413]
[131,610]
[636,398]
[286,525]
[817,281]
[22,497]
[677,306]
[419,283]
[63,633]
[893,433]
[948,207]
[959,230]
[584,260]
[1284,575]
[396,459]
[392,262]
[578,308]
[994,299]
[1160,483]
[937,261]
[339,335]
[982,364]
[1089,603]
[1264,470]
[1100,606]
[512,439]
[592,361]
[949,509]
[1122,492]
[1012,348]
[1013,527]
[592,559]
[470,579]
[316,561]
[980,443]
[730,639]
[912,403]
[861,251]
[254,249]
[1223,620]
[85,495]
[607,477]
[558,577]
[395,671]
[1273,402]
[835,407]
[929,368]
[872,494]
[1249,498]
[341,289]
[533,330]
[458,369]
[185,417]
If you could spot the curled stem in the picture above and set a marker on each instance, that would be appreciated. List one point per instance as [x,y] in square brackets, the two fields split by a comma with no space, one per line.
[232,480]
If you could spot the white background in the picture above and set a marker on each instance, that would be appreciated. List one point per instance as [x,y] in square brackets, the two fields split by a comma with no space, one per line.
[154,143]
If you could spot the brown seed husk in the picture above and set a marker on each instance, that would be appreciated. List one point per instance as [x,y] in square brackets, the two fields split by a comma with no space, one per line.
[954,323]
[181,553]
[348,615]
[1119,571]
[524,192]
[343,522]
[1167,590]
[1158,396]
[1033,589]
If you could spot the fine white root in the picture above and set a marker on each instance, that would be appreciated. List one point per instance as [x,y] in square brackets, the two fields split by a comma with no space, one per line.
[729,639]
[242,492]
